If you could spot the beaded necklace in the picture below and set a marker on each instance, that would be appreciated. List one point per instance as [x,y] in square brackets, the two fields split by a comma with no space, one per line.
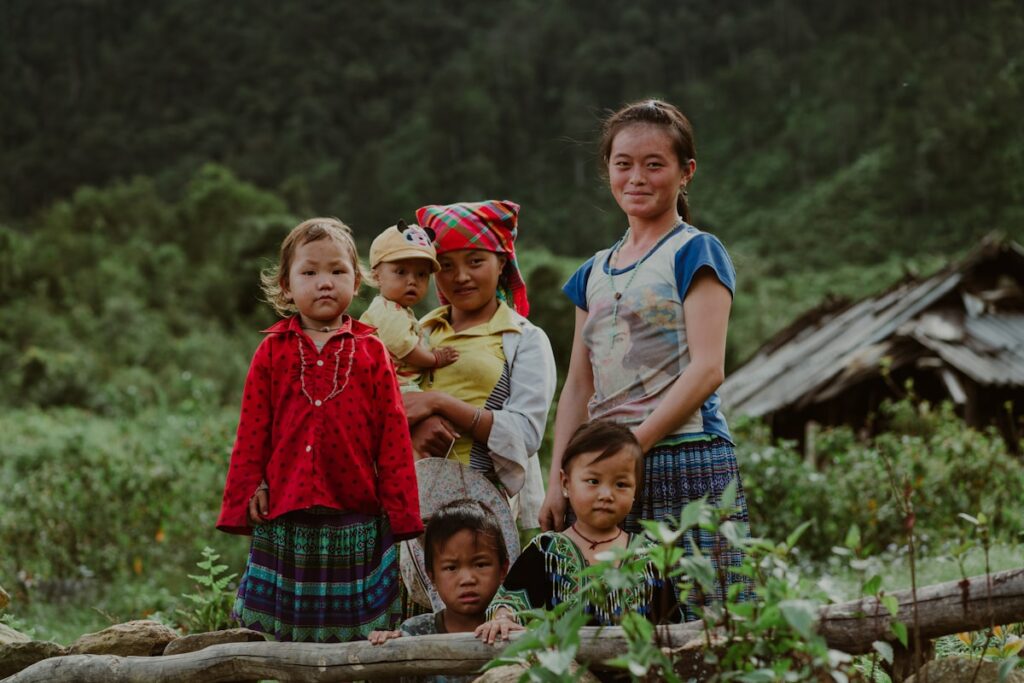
[335,389]
[636,269]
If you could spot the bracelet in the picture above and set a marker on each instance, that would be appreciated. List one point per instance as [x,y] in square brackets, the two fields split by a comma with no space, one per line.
[476,421]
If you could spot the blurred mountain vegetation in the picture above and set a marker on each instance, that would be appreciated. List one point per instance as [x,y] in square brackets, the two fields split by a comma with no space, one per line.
[154,154]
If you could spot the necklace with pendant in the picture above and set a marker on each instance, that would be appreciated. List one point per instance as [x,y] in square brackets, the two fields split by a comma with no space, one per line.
[617,295]
[592,542]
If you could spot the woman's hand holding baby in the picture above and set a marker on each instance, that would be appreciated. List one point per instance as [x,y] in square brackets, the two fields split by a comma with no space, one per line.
[498,628]
[433,436]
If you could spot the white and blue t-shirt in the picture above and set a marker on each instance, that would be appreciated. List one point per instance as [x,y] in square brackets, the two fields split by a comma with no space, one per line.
[637,359]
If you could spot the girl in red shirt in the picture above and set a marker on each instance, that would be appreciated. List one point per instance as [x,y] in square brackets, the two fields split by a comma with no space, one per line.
[321,473]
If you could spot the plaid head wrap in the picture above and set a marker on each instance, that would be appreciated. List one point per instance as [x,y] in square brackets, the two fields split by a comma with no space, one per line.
[489,225]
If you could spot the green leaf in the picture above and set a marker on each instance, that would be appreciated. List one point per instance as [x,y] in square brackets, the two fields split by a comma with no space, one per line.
[728,499]
[692,513]
[972,520]
[795,535]
[852,538]
[872,585]
[891,604]
[800,614]
[899,629]
[1006,667]
[884,649]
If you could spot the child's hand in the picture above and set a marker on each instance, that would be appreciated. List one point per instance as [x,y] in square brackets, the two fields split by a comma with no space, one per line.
[497,629]
[444,356]
[381,637]
[259,507]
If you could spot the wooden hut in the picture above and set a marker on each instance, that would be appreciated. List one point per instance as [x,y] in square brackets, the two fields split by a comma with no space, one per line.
[958,334]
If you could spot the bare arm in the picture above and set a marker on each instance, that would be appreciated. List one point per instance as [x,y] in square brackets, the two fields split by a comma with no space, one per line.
[423,357]
[570,414]
[421,404]
[706,315]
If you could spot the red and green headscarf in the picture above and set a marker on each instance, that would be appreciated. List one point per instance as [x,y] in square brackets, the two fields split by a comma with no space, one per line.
[490,226]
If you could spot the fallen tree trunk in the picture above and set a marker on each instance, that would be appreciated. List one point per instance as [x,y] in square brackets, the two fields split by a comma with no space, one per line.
[942,609]
[458,653]
[852,626]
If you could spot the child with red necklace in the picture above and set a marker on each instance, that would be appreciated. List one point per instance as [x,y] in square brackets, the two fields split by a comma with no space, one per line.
[321,473]
[601,470]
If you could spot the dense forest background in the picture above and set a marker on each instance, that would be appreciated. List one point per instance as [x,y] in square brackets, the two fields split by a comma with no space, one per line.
[152,155]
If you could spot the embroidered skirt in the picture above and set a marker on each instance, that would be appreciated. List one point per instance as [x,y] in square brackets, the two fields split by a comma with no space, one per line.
[321,576]
[676,474]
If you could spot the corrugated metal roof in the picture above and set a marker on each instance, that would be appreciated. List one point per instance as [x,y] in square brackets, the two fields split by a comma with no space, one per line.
[842,348]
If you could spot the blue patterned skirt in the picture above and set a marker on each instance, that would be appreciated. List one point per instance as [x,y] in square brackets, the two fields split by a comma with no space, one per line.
[321,576]
[676,474]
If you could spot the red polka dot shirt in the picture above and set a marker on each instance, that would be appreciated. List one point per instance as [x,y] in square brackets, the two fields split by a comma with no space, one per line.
[323,428]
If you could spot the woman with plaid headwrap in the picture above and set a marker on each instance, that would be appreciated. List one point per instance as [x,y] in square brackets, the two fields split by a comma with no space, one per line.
[490,407]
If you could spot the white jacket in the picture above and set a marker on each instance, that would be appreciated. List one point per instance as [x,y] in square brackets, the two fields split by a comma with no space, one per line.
[518,427]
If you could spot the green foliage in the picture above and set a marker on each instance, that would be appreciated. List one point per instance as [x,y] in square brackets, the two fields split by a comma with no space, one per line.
[767,638]
[91,500]
[211,604]
[950,466]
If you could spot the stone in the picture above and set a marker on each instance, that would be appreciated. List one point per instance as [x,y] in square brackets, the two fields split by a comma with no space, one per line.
[9,635]
[959,669]
[200,641]
[20,655]
[142,638]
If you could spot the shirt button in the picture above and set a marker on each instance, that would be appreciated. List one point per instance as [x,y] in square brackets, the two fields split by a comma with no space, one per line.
[309,448]
[320,363]
[318,403]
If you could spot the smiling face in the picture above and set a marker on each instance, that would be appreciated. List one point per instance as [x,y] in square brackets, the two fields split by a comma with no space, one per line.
[321,282]
[469,278]
[404,281]
[466,571]
[645,172]
[601,491]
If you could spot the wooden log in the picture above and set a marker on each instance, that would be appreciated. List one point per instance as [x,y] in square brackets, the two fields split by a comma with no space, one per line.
[852,626]
[458,653]
[942,609]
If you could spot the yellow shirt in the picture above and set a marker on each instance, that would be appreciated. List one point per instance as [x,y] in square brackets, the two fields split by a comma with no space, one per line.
[397,328]
[474,375]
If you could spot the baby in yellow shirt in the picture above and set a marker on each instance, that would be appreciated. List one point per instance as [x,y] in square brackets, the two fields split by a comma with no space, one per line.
[402,259]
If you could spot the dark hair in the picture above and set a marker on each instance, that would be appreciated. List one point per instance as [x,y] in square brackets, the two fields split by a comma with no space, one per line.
[656,113]
[457,516]
[606,439]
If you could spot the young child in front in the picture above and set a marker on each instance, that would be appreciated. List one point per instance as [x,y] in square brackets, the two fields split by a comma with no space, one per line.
[402,259]
[600,475]
[321,473]
[466,560]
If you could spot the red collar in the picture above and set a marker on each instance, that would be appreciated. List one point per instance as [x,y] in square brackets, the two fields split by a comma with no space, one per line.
[349,325]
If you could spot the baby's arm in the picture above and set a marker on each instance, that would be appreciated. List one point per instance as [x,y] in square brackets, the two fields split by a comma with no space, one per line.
[423,357]
[498,627]
[381,637]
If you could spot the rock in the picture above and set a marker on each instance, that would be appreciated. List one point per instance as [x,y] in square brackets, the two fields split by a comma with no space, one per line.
[16,656]
[959,669]
[199,641]
[510,673]
[144,638]
[9,635]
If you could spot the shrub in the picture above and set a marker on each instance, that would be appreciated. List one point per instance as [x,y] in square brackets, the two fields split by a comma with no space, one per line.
[952,468]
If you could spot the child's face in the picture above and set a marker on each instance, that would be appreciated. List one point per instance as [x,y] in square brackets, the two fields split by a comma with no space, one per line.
[601,493]
[322,281]
[466,572]
[405,281]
